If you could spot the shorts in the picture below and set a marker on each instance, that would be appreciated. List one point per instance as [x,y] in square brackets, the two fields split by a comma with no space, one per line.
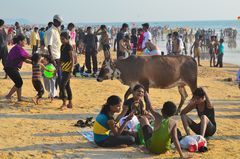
[15,76]
[147,132]
[212,55]
[210,130]
[197,52]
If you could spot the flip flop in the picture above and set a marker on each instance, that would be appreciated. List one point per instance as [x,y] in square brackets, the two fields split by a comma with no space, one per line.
[89,122]
[80,123]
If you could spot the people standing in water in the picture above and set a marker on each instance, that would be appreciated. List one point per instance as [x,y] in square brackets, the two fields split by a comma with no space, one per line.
[220,54]
[67,62]
[205,111]
[211,51]
[106,131]
[14,62]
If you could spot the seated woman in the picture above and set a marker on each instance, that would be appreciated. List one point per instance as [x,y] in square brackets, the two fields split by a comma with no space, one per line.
[158,139]
[205,110]
[134,104]
[105,129]
[152,49]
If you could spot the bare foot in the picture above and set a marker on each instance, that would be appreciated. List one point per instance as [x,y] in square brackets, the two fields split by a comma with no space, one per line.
[51,99]
[69,106]
[8,97]
[35,101]
[63,107]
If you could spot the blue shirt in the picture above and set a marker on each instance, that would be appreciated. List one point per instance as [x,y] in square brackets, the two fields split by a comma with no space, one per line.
[101,129]
[41,34]
[221,48]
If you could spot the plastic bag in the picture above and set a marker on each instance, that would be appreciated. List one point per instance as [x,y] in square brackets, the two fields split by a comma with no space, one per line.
[193,142]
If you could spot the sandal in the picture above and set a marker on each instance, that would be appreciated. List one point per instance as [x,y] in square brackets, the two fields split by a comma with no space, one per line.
[80,123]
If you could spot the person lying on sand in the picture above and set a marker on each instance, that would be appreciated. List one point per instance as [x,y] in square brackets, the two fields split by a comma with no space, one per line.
[206,113]
[106,131]
[158,138]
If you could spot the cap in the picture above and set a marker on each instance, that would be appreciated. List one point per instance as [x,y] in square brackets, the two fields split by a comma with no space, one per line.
[58,18]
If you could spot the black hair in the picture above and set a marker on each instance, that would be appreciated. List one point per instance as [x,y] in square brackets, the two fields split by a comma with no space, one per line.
[35,28]
[221,40]
[169,109]
[103,27]
[124,25]
[111,101]
[16,23]
[18,38]
[146,25]
[1,22]
[134,31]
[35,58]
[48,58]
[175,33]
[70,26]
[88,28]
[50,24]
[199,93]
[138,86]
[65,35]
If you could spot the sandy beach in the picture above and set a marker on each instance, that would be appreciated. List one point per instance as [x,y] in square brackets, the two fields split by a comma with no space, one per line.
[44,131]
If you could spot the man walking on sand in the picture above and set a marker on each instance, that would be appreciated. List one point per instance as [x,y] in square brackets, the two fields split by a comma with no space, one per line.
[54,44]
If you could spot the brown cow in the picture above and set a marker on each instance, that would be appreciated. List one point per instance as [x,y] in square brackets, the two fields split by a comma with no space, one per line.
[153,71]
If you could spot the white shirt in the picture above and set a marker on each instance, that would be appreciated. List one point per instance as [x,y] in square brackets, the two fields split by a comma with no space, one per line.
[146,37]
[53,39]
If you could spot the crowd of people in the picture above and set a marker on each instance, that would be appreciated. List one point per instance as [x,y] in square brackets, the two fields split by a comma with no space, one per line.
[57,46]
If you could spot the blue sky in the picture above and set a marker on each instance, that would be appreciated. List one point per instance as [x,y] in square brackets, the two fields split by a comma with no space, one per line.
[42,11]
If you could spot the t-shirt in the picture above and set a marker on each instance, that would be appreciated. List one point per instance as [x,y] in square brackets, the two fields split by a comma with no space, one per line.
[221,48]
[53,39]
[146,37]
[66,63]
[120,36]
[16,57]
[90,40]
[3,38]
[101,129]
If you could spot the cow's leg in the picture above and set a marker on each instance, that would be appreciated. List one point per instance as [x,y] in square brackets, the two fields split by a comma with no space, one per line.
[128,93]
[184,95]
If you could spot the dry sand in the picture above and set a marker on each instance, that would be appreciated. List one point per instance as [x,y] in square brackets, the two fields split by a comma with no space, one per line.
[43,131]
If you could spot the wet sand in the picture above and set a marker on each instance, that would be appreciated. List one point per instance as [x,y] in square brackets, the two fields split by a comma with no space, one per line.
[44,131]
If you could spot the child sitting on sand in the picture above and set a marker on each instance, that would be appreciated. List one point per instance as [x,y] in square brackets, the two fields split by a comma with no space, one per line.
[158,139]
[106,131]
[37,68]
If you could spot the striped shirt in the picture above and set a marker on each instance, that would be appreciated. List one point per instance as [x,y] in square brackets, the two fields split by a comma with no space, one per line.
[36,72]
